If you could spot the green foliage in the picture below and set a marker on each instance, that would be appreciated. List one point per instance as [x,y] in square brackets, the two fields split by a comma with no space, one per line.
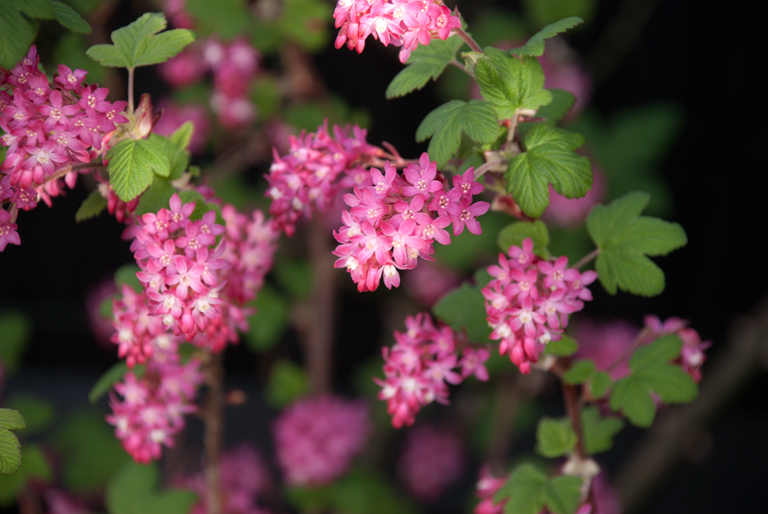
[535,45]
[10,450]
[509,83]
[156,197]
[464,309]
[110,378]
[651,372]
[225,18]
[134,491]
[126,274]
[15,332]
[515,233]
[425,62]
[555,437]
[90,453]
[580,372]
[265,93]
[529,491]
[91,206]
[139,44]
[18,30]
[542,13]
[626,239]
[548,158]
[38,413]
[563,347]
[287,382]
[269,321]
[598,432]
[599,384]
[295,276]
[33,466]
[305,22]
[561,103]
[132,166]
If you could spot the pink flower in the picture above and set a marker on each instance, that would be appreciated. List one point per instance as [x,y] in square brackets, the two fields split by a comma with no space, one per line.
[432,460]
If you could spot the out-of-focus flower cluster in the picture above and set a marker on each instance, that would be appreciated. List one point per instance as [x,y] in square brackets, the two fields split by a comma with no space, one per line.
[420,365]
[529,300]
[313,171]
[432,459]
[403,23]
[395,219]
[317,437]
[243,477]
[692,356]
[47,127]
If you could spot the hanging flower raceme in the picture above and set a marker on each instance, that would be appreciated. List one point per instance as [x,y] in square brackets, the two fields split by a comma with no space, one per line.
[529,300]
[310,175]
[47,127]
[402,23]
[316,438]
[421,364]
[396,220]
[152,408]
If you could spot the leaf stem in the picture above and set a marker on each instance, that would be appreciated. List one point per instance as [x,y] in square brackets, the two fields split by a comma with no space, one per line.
[587,258]
[130,90]
[488,166]
[467,39]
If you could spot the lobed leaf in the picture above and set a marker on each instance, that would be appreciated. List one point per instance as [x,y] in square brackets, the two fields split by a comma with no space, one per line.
[10,449]
[555,437]
[425,62]
[598,432]
[535,45]
[133,491]
[580,372]
[599,384]
[69,18]
[156,197]
[132,165]
[563,347]
[626,240]
[561,104]
[445,125]
[528,490]
[515,233]
[549,158]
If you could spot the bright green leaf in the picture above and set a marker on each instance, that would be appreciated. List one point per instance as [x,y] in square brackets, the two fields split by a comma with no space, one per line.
[15,333]
[69,19]
[548,158]
[91,207]
[426,62]
[10,449]
[626,240]
[535,45]
[563,347]
[157,197]
[132,167]
[598,432]
[515,233]
[600,384]
[445,125]
[511,84]
[11,420]
[580,372]
[287,382]
[183,135]
[555,437]
[139,44]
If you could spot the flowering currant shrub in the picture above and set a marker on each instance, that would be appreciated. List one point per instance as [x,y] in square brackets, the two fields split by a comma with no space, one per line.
[210,268]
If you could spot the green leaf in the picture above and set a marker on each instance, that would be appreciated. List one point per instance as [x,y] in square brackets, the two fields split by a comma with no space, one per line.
[69,19]
[132,165]
[15,333]
[139,43]
[134,491]
[580,372]
[16,35]
[91,206]
[549,158]
[509,83]
[446,123]
[626,240]
[563,347]
[598,432]
[600,384]
[40,9]
[294,276]
[561,103]
[287,382]
[269,321]
[182,136]
[107,380]
[535,45]
[515,233]
[528,490]
[10,449]
[126,274]
[555,437]
[33,466]
[225,18]
[364,491]
[563,494]
[464,309]
[651,372]
[425,62]
[38,413]
[304,21]
[158,196]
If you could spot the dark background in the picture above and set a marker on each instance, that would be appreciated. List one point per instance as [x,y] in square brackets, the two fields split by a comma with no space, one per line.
[704,56]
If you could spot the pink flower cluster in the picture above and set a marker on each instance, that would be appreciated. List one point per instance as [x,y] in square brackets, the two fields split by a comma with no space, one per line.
[432,459]
[404,23]
[316,438]
[234,66]
[316,166]
[47,128]
[529,300]
[420,365]
[396,219]
[692,356]
[486,488]
[243,477]
[153,407]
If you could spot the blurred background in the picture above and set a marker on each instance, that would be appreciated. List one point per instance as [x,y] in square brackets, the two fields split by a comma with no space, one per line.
[669,103]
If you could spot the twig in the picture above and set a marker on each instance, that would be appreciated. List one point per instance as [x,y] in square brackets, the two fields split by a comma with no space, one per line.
[587,258]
